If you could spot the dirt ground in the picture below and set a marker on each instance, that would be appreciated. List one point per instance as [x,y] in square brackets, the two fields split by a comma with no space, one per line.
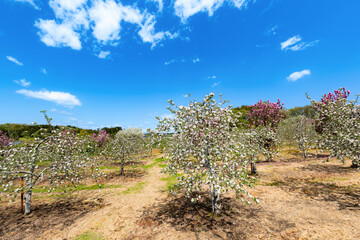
[311,199]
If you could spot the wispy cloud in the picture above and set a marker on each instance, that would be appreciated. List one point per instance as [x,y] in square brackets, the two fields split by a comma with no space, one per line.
[167,115]
[271,31]
[187,8]
[60,111]
[211,77]
[23,82]
[215,84]
[43,70]
[196,60]
[103,54]
[61,98]
[183,60]
[31,2]
[170,62]
[298,75]
[295,44]
[14,60]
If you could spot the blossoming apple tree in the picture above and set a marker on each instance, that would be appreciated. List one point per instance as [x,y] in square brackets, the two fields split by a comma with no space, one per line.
[60,158]
[264,118]
[338,124]
[204,150]
[127,146]
[298,131]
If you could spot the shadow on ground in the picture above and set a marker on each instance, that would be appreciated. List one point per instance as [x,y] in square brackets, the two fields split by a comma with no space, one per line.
[237,221]
[347,197]
[52,216]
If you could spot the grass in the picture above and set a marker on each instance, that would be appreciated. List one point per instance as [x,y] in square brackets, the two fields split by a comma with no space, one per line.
[72,188]
[135,189]
[170,181]
[156,161]
[89,235]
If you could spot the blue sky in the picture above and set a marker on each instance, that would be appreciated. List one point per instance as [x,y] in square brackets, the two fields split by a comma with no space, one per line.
[116,63]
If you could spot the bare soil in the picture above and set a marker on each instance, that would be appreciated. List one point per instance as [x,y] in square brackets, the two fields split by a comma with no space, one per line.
[299,199]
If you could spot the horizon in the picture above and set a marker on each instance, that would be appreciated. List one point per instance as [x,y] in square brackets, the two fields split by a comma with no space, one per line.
[95,64]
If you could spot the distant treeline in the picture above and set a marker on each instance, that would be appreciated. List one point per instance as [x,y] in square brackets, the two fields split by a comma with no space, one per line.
[15,130]
[243,121]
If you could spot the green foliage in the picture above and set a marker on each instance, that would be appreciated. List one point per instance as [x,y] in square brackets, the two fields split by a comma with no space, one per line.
[242,119]
[112,130]
[307,111]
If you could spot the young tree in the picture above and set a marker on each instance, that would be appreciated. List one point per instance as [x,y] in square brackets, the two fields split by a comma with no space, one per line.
[264,118]
[4,140]
[298,131]
[64,153]
[338,123]
[101,138]
[126,146]
[204,150]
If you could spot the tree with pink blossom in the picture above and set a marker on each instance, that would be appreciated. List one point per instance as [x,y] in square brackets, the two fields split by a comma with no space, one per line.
[4,140]
[338,125]
[101,138]
[264,118]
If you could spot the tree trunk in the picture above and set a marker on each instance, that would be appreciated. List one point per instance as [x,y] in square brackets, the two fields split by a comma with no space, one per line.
[253,168]
[304,154]
[356,162]
[212,198]
[122,167]
[217,202]
[28,201]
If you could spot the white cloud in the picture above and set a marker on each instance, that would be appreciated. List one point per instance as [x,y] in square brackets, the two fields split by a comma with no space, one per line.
[43,70]
[295,44]
[167,115]
[23,82]
[58,35]
[186,8]
[103,54]
[271,31]
[71,12]
[107,17]
[211,77]
[14,60]
[170,62]
[215,84]
[31,2]
[61,98]
[297,75]
[196,60]
[148,34]
[159,3]
[183,60]
[60,111]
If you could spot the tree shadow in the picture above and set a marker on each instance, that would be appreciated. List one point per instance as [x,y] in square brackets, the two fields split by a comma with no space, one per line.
[347,197]
[56,215]
[330,169]
[237,220]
